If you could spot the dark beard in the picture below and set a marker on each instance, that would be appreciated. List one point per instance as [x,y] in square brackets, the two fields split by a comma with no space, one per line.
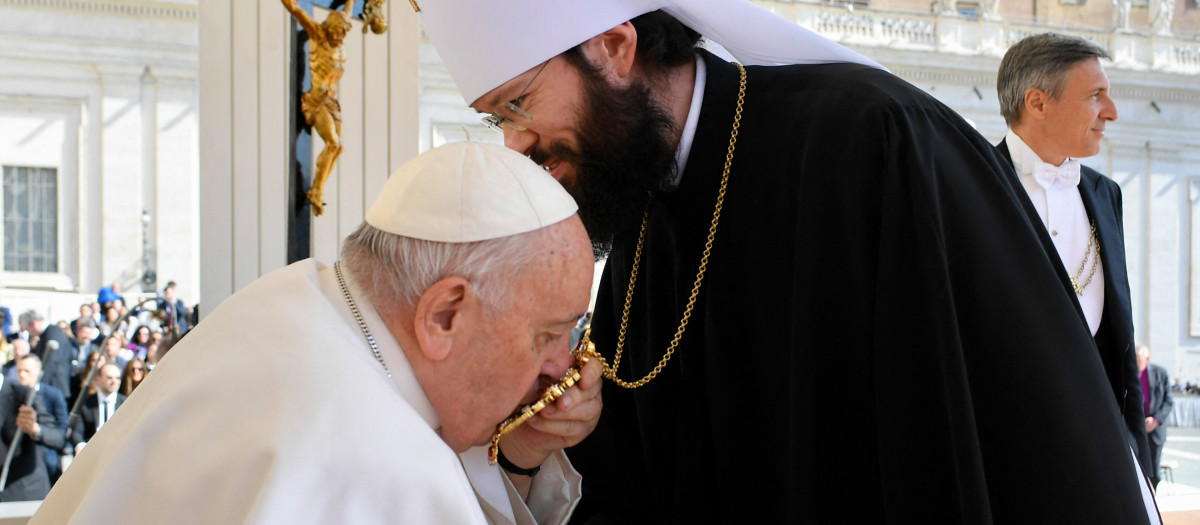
[624,153]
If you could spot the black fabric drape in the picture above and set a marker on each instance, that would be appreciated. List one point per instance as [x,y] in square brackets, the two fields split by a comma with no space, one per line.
[881,336]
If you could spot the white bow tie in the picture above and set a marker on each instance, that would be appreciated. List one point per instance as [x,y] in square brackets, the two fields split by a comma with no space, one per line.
[1066,175]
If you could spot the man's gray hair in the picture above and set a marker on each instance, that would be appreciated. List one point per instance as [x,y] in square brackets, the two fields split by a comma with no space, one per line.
[395,270]
[30,316]
[1041,62]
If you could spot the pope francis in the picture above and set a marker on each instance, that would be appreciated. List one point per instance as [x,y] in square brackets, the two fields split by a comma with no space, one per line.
[361,393]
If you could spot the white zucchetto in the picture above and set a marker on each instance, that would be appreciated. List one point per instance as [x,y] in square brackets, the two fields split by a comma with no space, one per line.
[485,43]
[469,191]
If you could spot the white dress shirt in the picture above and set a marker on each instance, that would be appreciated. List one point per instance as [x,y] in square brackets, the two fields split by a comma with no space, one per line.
[107,406]
[1061,209]
[693,118]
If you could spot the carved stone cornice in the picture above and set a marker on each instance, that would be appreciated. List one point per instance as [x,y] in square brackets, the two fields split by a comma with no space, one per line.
[1123,86]
[950,34]
[944,76]
[1126,92]
[173,10]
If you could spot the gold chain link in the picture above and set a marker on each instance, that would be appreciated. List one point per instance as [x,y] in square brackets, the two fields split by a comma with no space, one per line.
[1087,254]
[611,372]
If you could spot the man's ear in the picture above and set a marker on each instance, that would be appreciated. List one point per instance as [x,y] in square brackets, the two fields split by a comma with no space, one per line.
[439,315]
[613,51]
[1035,103]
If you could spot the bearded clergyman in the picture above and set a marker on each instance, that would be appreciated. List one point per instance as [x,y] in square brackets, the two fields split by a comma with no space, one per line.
[825,300]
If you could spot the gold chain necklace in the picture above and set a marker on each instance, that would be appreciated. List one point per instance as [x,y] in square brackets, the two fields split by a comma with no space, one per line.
[1087,254]
[610,372]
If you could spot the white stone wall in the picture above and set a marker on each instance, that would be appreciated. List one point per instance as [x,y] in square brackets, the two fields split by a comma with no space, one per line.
[45,133]
[244,183]
[115,83]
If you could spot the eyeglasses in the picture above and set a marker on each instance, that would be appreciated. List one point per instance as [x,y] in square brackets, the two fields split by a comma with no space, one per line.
[495,121]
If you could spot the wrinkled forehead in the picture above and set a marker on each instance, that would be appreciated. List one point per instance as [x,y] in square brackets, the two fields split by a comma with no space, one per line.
[485,43]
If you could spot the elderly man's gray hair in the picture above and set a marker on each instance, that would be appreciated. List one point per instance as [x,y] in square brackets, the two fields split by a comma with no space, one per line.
[30,316]
[1041,62]
[396,270]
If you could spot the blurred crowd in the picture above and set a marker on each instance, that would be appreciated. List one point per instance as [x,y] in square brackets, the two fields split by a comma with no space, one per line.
[74,374]
[1185,387]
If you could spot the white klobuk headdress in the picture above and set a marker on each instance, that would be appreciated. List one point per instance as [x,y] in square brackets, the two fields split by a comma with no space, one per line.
[485,43]
[469,191]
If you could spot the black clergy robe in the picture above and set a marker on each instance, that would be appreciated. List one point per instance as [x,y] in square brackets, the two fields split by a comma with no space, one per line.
[882,335]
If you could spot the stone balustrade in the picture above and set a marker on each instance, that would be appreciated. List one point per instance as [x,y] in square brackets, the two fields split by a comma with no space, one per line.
[970,35]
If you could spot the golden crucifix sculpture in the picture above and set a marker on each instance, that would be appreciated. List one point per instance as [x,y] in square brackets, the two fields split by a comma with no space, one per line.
[373,17]
[320,104]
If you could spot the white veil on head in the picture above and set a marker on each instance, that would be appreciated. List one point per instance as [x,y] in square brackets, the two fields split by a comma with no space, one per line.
[485,43]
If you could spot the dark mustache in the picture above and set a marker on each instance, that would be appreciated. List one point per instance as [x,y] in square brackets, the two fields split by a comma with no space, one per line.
[558,150]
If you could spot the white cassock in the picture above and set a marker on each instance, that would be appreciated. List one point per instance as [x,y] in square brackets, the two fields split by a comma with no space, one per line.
[275,410]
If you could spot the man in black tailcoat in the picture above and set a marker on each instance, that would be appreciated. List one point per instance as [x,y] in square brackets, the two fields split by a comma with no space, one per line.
[1054,96]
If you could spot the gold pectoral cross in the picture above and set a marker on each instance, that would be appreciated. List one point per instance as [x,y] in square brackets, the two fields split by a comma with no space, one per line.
[583,352]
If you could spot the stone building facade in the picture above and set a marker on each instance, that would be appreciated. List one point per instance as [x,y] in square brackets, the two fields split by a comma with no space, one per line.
[98,146]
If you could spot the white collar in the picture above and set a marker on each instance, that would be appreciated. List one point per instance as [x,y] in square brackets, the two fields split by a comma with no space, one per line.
[693,119]
[1024,159]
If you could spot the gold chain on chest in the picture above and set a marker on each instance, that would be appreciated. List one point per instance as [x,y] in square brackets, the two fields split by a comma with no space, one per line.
[610,372]
[1092,252]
